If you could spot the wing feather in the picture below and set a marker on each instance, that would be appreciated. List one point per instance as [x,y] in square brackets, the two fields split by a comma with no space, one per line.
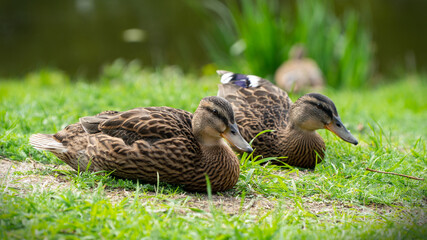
[150,124]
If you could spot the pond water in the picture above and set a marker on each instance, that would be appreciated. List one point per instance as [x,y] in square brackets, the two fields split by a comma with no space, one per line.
[79,36]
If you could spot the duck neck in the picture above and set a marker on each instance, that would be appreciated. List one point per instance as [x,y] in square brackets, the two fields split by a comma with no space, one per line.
[220,164]
[303,148]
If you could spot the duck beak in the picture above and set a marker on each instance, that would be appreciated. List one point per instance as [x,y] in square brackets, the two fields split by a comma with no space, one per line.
[232,135]
[339,129]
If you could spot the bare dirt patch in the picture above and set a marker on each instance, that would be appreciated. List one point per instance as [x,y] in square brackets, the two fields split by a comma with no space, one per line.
[26,177]
[23,177]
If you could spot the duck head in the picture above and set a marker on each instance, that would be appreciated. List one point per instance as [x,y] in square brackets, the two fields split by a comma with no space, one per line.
[315,111]
[214,120]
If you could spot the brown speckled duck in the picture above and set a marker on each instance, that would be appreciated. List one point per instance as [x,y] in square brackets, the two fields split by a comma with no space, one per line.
[259,105]
[140,143]
[299,72]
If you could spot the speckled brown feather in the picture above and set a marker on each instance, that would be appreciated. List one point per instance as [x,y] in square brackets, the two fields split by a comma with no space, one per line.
[147,143]
[266,107]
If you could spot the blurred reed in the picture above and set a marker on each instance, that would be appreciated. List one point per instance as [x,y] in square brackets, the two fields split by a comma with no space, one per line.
[254,36]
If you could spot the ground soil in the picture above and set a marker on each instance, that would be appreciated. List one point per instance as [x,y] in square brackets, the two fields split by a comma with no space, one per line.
[25,177]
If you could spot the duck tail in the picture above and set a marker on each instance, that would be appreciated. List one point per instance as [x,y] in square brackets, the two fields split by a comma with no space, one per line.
[241,80]
[46,142]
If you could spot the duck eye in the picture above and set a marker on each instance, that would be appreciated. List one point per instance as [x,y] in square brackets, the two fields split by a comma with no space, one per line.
[215,112]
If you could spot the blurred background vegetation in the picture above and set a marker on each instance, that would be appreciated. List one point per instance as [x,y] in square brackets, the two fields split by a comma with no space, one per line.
[355,42]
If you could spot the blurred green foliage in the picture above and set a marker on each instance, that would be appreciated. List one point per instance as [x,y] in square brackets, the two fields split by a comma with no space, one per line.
[255,36]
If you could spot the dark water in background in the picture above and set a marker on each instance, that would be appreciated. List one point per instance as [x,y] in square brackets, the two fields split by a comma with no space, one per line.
[79,36]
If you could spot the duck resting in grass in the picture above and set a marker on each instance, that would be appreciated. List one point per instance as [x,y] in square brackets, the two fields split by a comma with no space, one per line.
[299,73]
[259,105]
[152,143]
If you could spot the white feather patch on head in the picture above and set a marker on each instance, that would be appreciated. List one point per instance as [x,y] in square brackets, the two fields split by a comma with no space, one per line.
[254,80]
[226,77]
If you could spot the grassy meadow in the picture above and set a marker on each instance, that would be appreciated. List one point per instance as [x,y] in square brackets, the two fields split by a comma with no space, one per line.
[41,198]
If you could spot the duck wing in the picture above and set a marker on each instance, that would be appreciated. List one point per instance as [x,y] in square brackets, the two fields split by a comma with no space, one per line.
[150,124]
[258,104]
[144,143]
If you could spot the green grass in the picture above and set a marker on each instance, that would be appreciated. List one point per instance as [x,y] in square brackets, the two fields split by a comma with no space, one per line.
[256,36]
[338,200]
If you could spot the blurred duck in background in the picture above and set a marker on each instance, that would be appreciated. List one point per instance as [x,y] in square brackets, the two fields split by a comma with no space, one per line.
[299,73]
